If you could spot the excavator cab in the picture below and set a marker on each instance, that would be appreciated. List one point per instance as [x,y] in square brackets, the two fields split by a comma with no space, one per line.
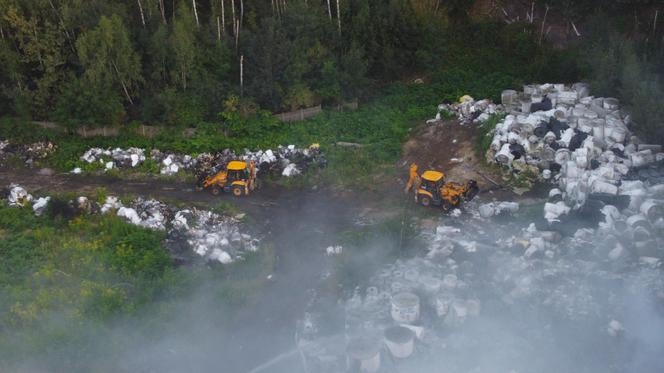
[428,192]
[238,178]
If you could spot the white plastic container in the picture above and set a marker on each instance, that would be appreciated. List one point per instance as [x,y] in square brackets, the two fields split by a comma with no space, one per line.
[400,341]
[405,308]
[365,353]
[504,156]
[652,209]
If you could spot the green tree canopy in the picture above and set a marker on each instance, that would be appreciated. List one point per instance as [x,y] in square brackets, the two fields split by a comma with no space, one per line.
[108,56]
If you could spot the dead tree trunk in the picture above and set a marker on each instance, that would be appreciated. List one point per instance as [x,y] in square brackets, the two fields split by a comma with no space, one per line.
[237,33]
[338,17]
[241,12]
[218,29]
[195,13]
[62,25]
[233,10]
[543,22]
[124,86]
[241,75]
[329,10]
[162,11]
[223,17]
[140,9]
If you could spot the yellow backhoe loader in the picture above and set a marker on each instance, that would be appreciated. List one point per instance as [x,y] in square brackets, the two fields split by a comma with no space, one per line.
[432,189]
[238,178]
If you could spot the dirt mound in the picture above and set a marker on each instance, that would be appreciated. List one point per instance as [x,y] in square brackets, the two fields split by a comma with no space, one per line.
[449,147]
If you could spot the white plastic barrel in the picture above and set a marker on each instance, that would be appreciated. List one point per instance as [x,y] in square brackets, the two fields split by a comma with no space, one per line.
[405,308]
[400,341]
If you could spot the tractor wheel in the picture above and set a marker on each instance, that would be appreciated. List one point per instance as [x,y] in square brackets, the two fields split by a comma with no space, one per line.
[215,190]
[425,201]
[237,191]
[456,201]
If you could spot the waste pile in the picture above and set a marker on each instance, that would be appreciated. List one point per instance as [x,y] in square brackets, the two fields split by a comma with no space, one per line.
[115,158]
[583,145]
[18,196]
[284,161]
[215,237]
[212,236]
[473,283]
[29,153]
[468,111]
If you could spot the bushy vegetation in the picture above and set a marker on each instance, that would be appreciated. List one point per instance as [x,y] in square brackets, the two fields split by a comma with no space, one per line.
[631,69]
[485,135]
[64,281]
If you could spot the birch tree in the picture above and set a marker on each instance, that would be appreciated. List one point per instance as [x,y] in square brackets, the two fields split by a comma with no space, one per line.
[183,44]
[108,56]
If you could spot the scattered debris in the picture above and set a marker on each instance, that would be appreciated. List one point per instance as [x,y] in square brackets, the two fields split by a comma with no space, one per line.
[112,203]
[468,111]
[18,196]
[334,250]
[213,236]
[29,153]
[40,205]
[490,209]
[615,328]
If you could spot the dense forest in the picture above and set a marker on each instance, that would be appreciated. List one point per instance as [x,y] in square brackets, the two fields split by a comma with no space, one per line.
[181,62]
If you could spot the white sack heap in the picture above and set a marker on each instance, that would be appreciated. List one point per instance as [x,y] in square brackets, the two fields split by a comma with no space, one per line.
[285,160]
[213,236]
[584,145]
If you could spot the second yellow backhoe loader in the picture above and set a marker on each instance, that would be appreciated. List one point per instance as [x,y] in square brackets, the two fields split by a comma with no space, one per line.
[432,189]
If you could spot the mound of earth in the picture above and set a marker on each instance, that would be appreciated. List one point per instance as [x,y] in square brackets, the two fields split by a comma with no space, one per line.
[449,147]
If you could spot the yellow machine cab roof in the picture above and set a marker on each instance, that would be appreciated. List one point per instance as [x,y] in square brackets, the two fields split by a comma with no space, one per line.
[236,165]
[433,176]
